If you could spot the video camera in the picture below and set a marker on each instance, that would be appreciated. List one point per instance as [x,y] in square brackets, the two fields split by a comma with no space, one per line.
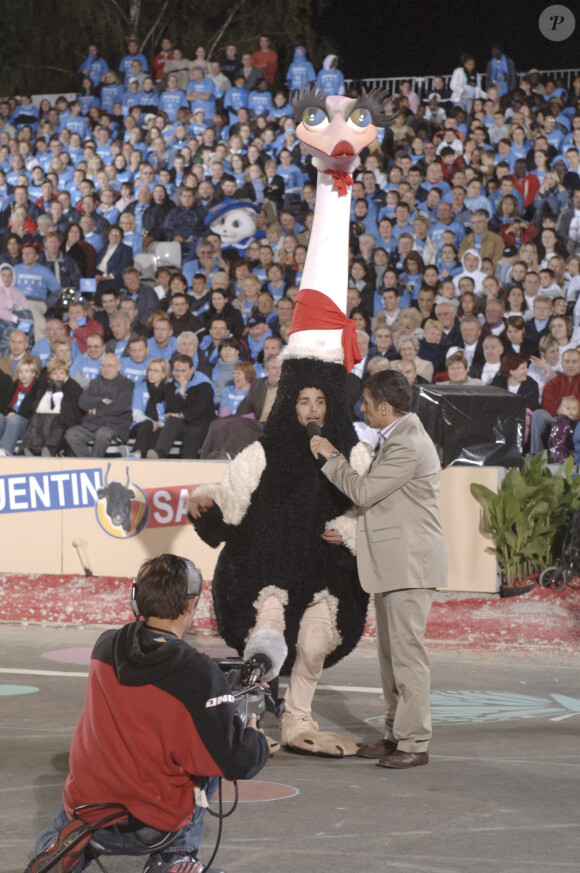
[245,678]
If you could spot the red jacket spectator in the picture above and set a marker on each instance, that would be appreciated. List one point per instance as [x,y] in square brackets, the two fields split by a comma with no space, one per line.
[509,232]
[266,60]
[79,327]
[159,61]
[81,334]
[555,389]
[527,186]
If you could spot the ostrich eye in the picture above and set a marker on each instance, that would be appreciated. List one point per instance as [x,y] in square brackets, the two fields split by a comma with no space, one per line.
[314,116]
[360,117]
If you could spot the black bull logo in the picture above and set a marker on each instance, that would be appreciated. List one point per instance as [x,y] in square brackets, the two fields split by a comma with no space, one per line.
[118,497]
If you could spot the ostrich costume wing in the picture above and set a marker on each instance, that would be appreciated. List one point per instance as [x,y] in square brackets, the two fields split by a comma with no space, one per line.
[274,503]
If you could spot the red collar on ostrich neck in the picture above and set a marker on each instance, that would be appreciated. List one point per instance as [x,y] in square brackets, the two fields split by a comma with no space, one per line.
[342,180]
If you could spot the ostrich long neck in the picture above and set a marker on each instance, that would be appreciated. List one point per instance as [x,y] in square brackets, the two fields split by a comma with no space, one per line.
[326,265]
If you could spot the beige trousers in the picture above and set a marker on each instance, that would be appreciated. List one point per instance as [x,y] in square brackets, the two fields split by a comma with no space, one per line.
[401,618]
[314,642]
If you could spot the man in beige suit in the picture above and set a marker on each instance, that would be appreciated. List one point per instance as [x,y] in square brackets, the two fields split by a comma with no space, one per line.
[401,558]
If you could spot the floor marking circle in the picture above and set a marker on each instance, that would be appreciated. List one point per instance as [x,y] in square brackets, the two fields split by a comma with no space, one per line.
[255,791]
[15,690]
[79,655]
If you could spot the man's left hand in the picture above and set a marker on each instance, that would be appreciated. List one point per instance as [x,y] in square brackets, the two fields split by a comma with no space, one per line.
[321,446]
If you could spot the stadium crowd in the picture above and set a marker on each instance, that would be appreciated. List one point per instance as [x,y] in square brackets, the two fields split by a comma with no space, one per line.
[464,248]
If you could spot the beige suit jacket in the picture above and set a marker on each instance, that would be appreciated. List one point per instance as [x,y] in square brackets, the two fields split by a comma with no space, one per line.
[400,541]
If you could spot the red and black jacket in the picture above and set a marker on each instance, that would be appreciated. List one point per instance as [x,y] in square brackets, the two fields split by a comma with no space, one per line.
[158,716]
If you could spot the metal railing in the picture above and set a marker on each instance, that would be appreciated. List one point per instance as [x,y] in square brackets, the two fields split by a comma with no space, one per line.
[423,85]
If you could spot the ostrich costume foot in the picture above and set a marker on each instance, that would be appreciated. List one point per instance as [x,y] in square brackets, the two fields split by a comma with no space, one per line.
[303,736]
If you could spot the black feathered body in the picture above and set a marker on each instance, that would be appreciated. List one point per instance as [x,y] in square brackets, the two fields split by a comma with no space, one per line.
[278,542]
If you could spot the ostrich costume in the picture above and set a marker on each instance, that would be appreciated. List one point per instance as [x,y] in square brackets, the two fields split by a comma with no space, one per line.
[278,587]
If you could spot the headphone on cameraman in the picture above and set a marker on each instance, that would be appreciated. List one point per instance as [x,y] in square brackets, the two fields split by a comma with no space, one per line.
[194,582]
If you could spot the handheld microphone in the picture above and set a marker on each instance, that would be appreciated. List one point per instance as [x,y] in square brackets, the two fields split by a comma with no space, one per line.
[313,429]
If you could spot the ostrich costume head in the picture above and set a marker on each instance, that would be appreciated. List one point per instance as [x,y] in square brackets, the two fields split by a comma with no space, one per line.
[334,131]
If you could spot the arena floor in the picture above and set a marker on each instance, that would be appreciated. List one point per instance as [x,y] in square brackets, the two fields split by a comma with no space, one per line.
[501,793]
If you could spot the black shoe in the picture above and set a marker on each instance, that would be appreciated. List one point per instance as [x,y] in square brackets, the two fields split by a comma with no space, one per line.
[404,760]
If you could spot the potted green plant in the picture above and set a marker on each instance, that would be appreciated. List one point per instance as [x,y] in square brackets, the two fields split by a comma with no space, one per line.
[527,519]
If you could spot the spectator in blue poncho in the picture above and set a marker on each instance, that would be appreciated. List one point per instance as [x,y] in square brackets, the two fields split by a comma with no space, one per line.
[300,72]
[330,78]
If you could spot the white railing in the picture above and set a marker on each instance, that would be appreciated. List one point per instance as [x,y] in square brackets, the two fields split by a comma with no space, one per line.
[423,85]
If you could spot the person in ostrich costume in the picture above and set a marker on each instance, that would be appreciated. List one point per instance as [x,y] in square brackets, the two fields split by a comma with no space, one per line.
[286,582]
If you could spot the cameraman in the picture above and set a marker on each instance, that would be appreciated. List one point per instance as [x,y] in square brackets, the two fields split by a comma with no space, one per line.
[158,717]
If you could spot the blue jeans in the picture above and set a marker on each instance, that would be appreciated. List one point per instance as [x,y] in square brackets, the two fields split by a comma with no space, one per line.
[540,430]
[11,429]
[109,841]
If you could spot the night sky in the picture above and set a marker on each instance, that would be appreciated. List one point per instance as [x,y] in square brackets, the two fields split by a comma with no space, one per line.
[418,36]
